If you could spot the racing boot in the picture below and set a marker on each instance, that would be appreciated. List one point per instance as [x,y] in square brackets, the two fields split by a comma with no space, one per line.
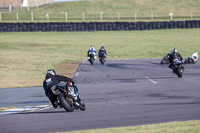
[55,104]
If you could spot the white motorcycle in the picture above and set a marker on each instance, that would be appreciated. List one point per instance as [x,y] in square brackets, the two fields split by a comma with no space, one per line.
[92,57]
[192,59]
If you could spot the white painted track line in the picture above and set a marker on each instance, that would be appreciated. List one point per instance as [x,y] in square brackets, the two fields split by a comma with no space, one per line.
[25,109]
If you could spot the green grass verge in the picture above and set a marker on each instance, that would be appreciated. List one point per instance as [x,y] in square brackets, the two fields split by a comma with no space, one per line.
[110,8]
[26,56]
[170,127]
[122,6]
[3,109]
[159,6]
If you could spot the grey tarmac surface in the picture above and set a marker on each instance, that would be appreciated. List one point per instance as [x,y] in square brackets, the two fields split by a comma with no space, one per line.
[119,93]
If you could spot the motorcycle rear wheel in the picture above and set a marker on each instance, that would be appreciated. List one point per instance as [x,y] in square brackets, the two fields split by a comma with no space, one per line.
[69,107]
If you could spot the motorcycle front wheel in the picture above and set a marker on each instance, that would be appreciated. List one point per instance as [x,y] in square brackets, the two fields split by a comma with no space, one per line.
[162,62]
[91,61]
[186,61]
[179,73]
[102,60]
[82,106]
[66,102]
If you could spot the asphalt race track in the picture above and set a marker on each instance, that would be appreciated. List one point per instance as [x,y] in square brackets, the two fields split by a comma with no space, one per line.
[119,93]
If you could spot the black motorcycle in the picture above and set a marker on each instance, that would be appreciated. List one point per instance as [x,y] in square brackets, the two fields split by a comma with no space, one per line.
[68,96]
[178,67]
[91,57]
[165,60]
[102,58]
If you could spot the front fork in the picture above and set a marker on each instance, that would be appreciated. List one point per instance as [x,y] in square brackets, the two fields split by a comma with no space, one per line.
[182,68]
[76,90]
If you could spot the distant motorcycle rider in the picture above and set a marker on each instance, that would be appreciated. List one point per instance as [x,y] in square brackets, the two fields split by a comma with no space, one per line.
[102,51]
[92,49]
[165,59]
[194,56]
[50,81]
[172,56]
[168,55]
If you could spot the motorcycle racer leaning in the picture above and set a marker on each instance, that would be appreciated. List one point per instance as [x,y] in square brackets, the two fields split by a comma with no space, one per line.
[194,56]
[92,49]
[50,81]
[173,56]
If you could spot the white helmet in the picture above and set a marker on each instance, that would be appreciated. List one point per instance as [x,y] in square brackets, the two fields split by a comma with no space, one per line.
[174,50]
[51,71]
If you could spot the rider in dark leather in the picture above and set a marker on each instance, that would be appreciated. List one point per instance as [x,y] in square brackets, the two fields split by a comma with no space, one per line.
[172,56]
[102,50]
[50,81]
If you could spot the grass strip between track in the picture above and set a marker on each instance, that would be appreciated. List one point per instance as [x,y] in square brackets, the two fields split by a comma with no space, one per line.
[192,126]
